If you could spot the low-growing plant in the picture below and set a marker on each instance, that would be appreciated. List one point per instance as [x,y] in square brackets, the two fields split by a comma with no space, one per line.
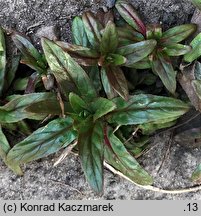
[168,44]
[95,114]
[91,121]
[98,44]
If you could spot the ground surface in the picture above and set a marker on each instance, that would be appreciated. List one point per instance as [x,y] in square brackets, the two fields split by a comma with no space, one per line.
[66,181]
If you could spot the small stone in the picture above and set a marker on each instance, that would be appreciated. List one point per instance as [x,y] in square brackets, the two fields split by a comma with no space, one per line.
[110,3]
[50,32]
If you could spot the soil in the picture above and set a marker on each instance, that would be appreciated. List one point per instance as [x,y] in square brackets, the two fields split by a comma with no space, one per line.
[66,181]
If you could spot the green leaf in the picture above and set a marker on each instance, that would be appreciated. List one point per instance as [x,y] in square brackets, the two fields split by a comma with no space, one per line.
[117,156]
[142,64]
[43,142]
[109,40]
[2,59]
[94,76]
[83,55]
[196,176]
[31,56]
[177,34]
[137,51]
[115,59]
[162,66]
[101,106]
[77,104]
[78,32]
[12,67]
[49,106]
[15,110]
[78,50]
[4,149]
[154,32]
[197,71]
[4,145]
[195,53]
[128,12]
[150,128]
[197,3]
[90,143]
[141,109]
[110,92]
[196,84]
[177,49]
[65,68]
[92,28]
[118,81]
[20,84]
[128,36]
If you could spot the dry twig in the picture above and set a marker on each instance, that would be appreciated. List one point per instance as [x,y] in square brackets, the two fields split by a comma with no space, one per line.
[152,188]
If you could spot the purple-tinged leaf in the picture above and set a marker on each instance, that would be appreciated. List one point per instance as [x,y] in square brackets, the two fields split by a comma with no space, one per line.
[82,55]
[109,40]
[105,17]
[128,35]
[162,66]
[78,50]
[110,92]
[118,81]
[49,106]
[94,75]
[15,110]
[137,51]
[31,56]
[93,28]
[44,141]
[90,144]
[128,12]
[65,69]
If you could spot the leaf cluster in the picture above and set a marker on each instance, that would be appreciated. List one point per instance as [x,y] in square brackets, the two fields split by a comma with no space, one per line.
[81,93]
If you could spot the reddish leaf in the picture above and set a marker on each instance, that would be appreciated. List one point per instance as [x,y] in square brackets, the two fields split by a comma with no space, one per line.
[118,81]
[109,41]
[110,92]
[90,144]
[128,12]
[92,28]
[83,55]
